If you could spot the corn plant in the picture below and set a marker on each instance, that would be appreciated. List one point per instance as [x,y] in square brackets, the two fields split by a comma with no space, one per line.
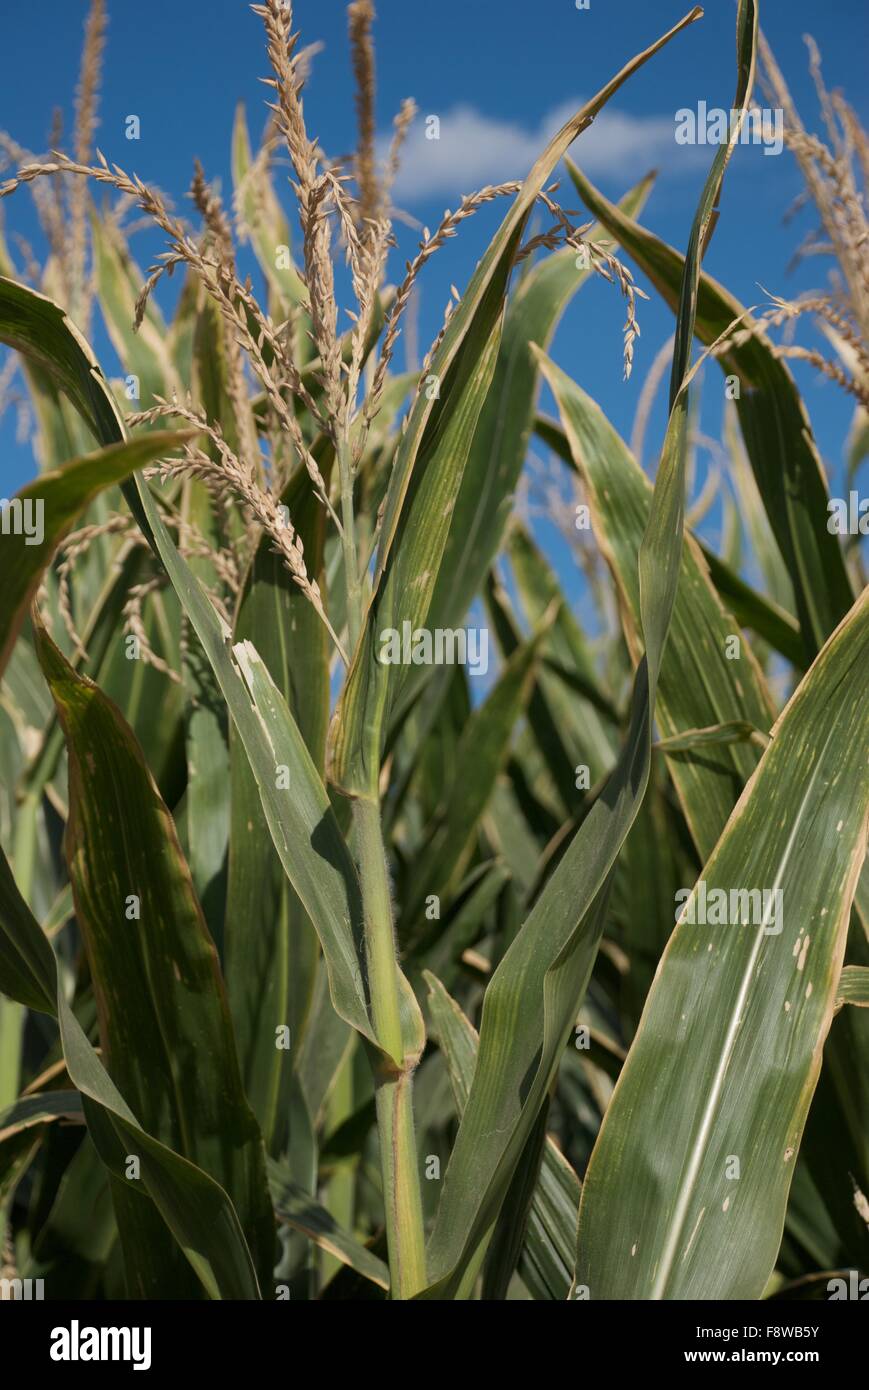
[323,978]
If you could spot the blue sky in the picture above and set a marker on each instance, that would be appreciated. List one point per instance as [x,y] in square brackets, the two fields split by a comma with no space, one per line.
[499,74]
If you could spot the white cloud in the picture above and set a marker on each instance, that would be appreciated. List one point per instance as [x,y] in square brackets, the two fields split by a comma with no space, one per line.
[475,149]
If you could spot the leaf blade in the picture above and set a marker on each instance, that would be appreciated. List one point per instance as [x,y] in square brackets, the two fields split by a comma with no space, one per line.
[754,1077]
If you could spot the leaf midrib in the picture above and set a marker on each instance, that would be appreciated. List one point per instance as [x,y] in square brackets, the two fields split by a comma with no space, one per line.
[698,1149]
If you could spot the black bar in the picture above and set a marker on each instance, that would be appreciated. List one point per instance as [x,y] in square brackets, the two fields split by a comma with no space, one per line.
[256,1340]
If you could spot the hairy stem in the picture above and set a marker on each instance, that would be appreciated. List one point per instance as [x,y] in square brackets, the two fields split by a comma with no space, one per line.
[394,1085]
[401,1196]
[379,938]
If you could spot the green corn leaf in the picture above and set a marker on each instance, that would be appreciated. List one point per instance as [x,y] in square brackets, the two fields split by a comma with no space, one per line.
[481,753]
[16,1156]
[709,676]
[208,758]
[738,1013]
[44,1108]
[835,1145]
[211,374]
[325,875]
[543,721]
[194,1207]
[547,1255]
[325,1044]
[500,443]
[750,608]
[306,836]
[732,731]
[124,859]
[531,1002]
[294,1206]
[152,703]
[207,795]
[853,986]
[59,435]
[27,969]
[152,709]
[702,688]
[79,1235]
[548,1250]
[508,1237]
[271,948]
[712,709]
[300,820]
[566,652]
[12,1019]
[62,909]
[44,334]
[207,798]
[464,921]
[50,342]
[49,506]
[478,302]
[429,466]
[654,863]
[519,823]
[774,424]
[142,352]
[572,716]
[403,598]
[751,512]
[753,610]
[809,1237]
